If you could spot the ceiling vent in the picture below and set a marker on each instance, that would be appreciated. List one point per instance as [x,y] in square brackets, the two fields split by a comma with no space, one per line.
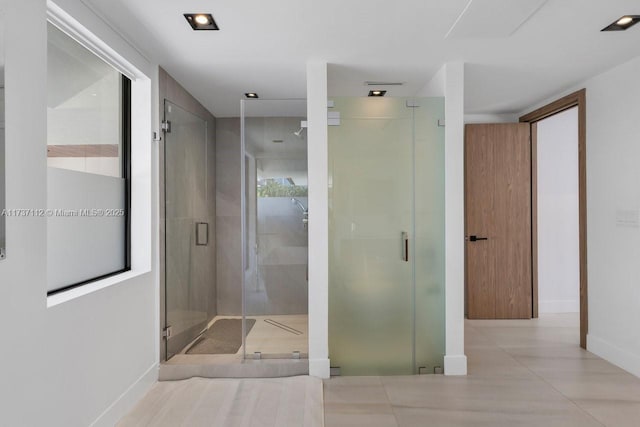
[383,83]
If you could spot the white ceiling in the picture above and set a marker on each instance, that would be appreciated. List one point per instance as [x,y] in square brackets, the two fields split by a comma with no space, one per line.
[263,46]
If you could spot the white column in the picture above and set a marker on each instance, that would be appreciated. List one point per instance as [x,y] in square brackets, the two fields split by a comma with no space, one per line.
[455,362]
[318,170]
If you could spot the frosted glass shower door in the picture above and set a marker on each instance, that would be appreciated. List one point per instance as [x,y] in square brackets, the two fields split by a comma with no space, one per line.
[386,224]
[187,261]
[370,321]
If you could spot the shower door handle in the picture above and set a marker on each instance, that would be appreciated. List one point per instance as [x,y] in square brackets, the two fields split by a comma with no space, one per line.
[202,234]
[405,246]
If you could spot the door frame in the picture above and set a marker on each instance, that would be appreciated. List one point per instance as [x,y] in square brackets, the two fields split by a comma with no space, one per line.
[575,99]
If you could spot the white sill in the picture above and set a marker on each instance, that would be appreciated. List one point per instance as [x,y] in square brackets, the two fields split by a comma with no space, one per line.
[80,291]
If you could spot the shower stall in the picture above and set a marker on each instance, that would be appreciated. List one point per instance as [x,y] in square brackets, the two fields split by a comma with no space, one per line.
[235,216]
[386,236]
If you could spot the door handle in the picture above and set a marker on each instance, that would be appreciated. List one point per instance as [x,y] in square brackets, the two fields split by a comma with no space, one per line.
[476,238]
[202,233]
[405,246]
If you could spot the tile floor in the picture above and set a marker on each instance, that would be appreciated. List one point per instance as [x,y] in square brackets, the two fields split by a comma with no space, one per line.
[521,373]
[199,402]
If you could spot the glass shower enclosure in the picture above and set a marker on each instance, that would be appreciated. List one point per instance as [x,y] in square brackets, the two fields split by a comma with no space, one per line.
[386,236]
[274,223]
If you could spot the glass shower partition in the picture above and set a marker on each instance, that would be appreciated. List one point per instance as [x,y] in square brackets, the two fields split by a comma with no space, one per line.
[275,215]
[386,236]
[187,248]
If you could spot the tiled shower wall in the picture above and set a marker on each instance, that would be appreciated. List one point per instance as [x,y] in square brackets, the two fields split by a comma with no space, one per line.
[228,217]
[281,283]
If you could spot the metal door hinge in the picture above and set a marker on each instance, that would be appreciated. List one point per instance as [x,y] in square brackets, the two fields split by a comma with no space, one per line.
[411,104]
[166,126]
[441,123]
[166,332]
[333,118]
[3,254]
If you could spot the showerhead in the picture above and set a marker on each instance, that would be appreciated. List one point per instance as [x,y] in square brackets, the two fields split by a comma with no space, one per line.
[299,204]
[298,133]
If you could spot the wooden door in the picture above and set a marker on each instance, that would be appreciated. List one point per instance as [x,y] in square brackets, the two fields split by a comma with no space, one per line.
[498,209]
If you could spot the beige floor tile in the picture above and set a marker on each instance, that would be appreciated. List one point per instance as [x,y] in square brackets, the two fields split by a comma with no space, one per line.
[531,337]
[479,394]
[613,413]
[355,390]
[550,366]
[199,402]
[493,361]
[561,351]
[597,386]
[415,417]
[362,420]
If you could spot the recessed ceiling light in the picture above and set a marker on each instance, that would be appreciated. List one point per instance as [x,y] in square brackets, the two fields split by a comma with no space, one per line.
[377,92]
[201,21]
[252,95]
[624,20]
[623,23]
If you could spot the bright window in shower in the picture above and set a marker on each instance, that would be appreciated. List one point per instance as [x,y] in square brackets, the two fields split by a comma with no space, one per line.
[280,187]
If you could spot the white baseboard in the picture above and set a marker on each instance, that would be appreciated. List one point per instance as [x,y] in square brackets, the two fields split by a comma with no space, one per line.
[611,353]
[319,368]
[455,365]
[127,400]
[559,306]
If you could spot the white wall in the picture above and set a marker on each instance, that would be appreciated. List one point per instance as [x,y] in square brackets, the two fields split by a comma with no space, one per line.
[455,361]
[87,359]
[318,175]
[558,241]
[613,155]
[490,118]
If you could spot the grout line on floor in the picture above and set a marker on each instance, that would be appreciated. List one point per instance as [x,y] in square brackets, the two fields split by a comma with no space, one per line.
[539,377]
[580,408]
[391,405]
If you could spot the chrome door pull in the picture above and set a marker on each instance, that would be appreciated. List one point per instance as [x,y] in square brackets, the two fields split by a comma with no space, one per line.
[405,246]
